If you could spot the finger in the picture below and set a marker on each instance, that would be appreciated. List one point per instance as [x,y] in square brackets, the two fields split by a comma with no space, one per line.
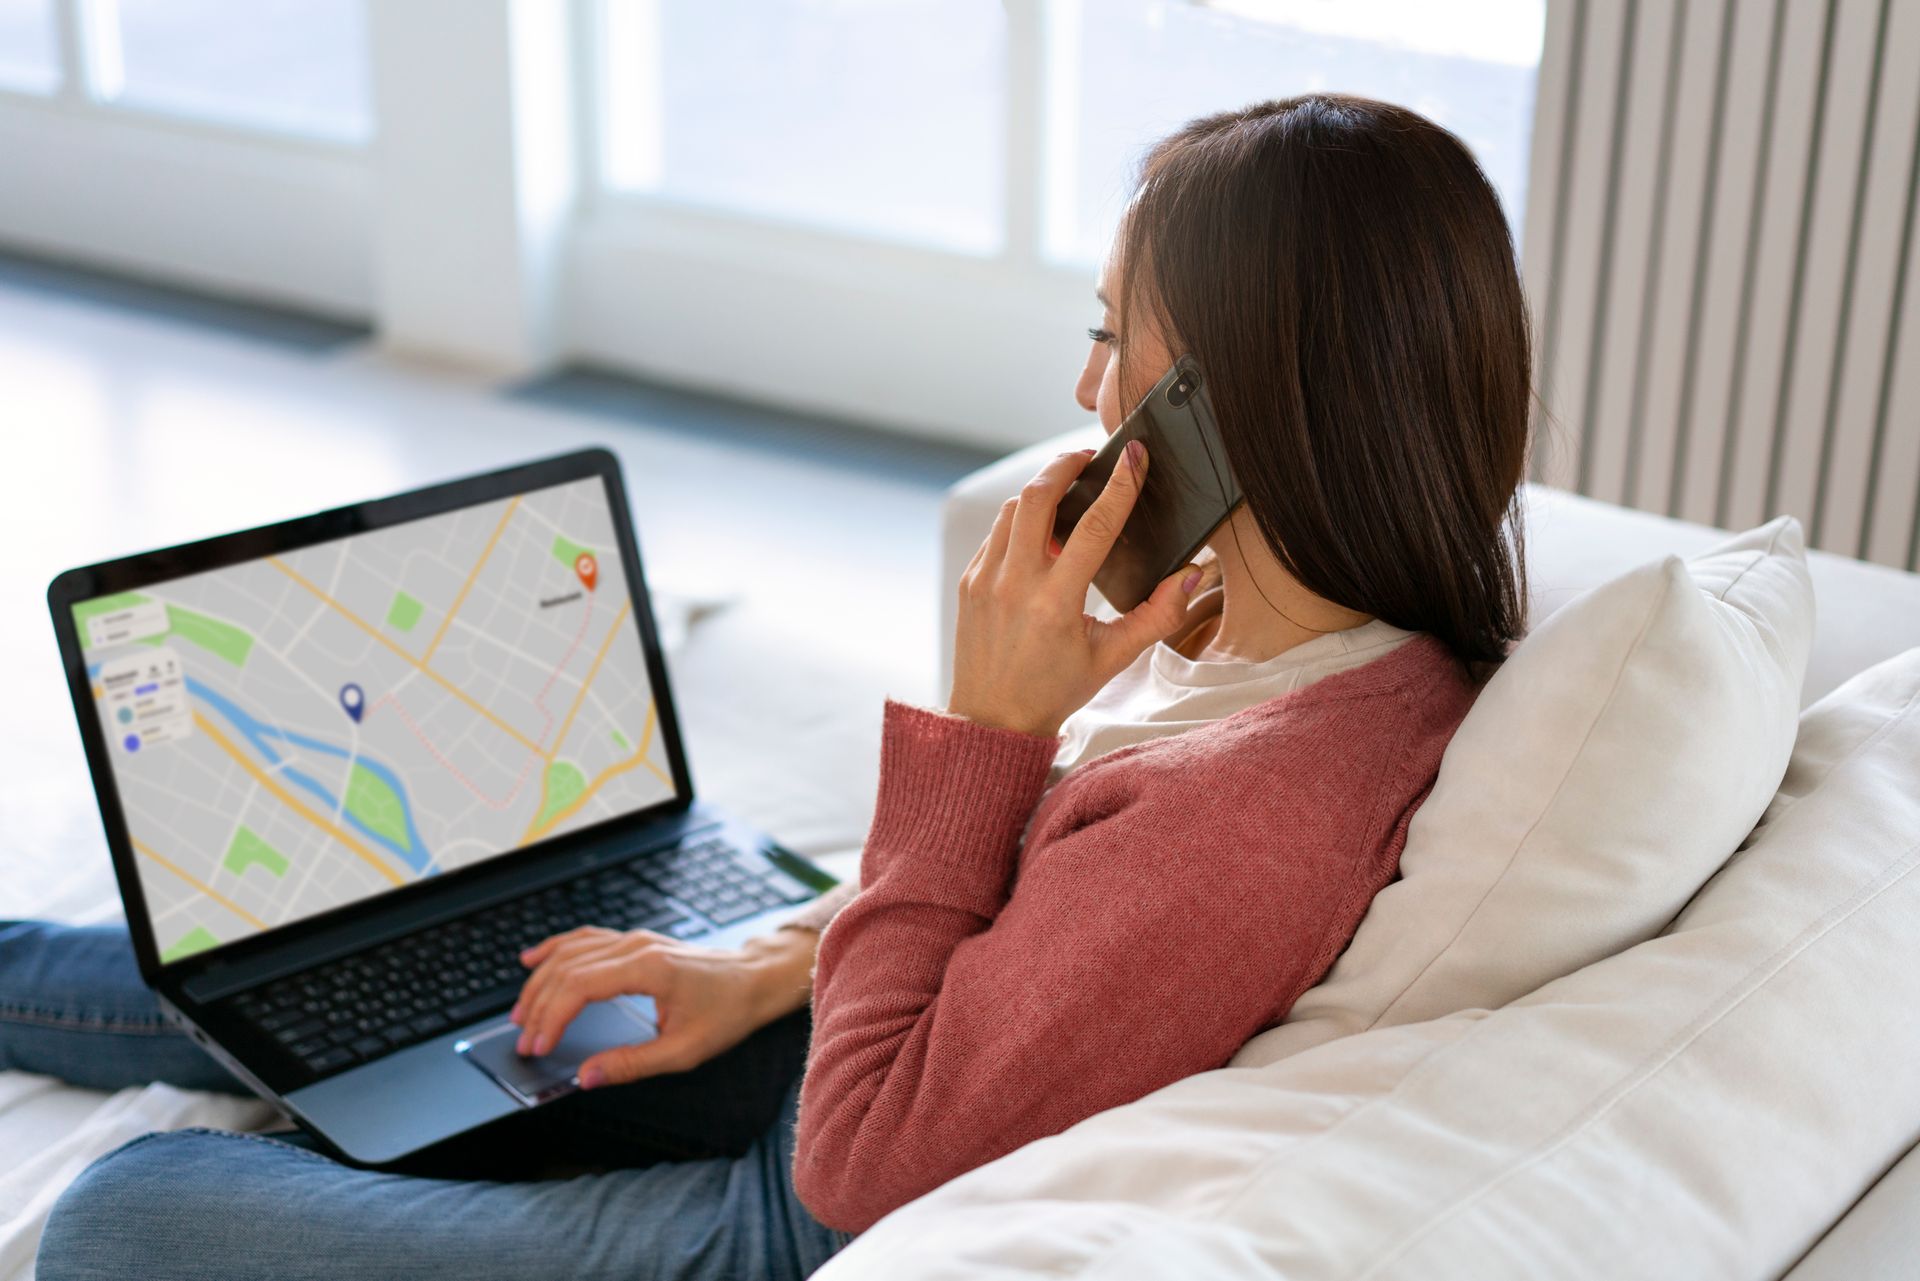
[555,974]
[1040,503]
[581,986]
[980,552]
[1118,642]
[563,950]
[625,1063]
[539,952]
[994,550]
[564,959]
[1093,537]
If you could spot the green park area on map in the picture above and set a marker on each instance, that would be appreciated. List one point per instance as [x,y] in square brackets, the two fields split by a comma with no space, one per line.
[568,552]
[404,612]
[223,640]
[250,850]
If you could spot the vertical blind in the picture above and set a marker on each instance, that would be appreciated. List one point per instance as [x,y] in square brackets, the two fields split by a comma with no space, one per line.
[1720,254]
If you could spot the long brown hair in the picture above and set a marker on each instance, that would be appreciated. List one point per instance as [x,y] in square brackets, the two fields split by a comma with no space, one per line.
[1343,273]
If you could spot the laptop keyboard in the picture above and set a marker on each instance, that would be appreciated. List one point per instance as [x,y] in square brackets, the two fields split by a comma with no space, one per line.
[395,995]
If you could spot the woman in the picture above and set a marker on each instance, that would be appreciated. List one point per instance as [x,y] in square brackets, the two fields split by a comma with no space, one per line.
[1122,849]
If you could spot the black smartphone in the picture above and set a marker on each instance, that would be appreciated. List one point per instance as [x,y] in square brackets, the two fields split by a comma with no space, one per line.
[1189,491]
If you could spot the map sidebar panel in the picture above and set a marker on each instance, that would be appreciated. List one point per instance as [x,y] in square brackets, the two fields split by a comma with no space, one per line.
[299,732]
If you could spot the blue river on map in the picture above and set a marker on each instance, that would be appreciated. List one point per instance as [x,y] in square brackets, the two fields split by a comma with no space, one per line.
[258,731]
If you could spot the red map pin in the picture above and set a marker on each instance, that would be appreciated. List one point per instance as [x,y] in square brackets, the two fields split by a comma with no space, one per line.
[588,568]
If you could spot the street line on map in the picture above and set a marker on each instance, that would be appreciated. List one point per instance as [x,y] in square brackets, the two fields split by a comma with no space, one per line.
[291,801]
[540,703]
[593,671]
[639,757]
[374,632]
[567,724]
[467,586]
[199,884]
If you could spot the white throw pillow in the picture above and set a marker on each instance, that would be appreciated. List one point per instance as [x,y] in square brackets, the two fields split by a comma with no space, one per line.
[1606,770]
[1703,1104]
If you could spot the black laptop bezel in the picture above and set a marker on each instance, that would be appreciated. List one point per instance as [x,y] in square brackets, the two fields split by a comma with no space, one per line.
[154,568]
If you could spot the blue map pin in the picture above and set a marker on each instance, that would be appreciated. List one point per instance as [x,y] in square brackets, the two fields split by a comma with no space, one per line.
[353,700]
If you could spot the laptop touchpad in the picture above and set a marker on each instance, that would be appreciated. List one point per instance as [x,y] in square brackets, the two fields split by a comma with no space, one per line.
[600,1026]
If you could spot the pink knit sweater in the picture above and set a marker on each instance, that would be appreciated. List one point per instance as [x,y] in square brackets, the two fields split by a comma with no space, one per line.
[1171,899]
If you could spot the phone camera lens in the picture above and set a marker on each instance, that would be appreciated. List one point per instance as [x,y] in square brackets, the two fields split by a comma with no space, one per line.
[1181,392]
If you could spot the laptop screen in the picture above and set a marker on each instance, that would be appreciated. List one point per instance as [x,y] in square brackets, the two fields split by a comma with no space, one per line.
[306,730]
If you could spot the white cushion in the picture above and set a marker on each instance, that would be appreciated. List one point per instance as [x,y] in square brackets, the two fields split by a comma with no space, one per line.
[1701,1105]
[1603,774]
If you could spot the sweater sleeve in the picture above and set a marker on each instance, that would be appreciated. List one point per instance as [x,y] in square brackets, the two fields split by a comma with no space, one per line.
[956,1020]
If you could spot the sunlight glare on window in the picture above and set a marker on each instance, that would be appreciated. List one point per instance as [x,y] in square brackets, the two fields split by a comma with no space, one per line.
[283,66]
[29,56]
[1124,73]
[882,118]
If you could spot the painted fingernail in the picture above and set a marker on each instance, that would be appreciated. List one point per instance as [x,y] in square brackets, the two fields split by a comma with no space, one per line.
[1192,580]
[513,1015]
[1135,452]
[521,1047]
[592,1076]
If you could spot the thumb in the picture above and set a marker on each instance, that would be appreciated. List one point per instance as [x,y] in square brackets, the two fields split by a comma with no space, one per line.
[1160,614]
[626,1063]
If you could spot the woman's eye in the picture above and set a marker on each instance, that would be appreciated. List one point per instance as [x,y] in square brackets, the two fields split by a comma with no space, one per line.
[1100,335]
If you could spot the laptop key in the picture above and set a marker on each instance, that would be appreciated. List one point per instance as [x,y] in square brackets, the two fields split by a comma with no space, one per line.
[282,1018]
[369,1045]
[300,1031]
[733,912]
[428,1024]
[330,1060]
[487,1002]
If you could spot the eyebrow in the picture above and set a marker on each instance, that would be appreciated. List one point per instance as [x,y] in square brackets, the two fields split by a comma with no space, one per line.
[1100,296]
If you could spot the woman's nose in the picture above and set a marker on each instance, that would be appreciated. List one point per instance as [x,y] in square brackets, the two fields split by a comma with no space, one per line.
[1086,390]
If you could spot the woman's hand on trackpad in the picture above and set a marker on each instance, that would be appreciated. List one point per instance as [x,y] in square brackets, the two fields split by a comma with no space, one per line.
[707,999]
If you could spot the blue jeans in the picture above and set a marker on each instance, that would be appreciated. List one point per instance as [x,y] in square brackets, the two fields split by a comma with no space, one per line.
[683,1175]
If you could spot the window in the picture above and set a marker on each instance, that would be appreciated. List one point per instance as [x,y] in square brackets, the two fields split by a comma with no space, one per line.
[1122,73]
[887,118]
[884,118]
[29,56]
[283,66]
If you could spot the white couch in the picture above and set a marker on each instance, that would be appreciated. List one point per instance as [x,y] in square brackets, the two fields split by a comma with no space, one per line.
[1738,1097]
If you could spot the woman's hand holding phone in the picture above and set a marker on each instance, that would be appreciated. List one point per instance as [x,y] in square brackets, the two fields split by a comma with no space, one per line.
[1027,655]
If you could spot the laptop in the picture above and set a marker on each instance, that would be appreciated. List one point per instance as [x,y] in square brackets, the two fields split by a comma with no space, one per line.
[349,765]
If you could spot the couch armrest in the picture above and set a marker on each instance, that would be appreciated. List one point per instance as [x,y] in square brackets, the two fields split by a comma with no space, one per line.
[967,514]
